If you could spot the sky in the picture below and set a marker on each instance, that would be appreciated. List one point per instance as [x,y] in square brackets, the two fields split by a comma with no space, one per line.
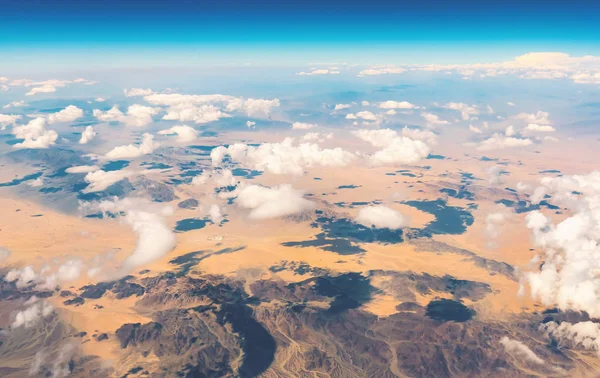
[268,32]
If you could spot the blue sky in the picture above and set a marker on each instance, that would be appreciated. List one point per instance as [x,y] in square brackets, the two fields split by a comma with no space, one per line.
[289,32]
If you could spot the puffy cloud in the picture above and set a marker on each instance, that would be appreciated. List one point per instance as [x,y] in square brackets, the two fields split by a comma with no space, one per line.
[8,119]
[432,119]
[185,134]
[82,169]
[137,115]
[510,131]
[87,135]
[568,277]
[494,176]
[380,216]
[99,99]
[499,141]
[135,92]
[583,334]
[132,151]
[47,88]
[381,71]
[100,180]
[218,178]
[342,106]
[302,126]
[215,214]
[319,72]
[154,237]
[310,137]
[192,113]
[475,129]
[15,104]
[255,107]
[466,111]
[250,124]
[395,148]
[520,350]
[32,315]
[425,135]
[23,277]
[35,134]
[510,103]
[534,127]
[68,114]
[397,105]
[266,203]
[532,66]
[540,117]
[36,183]
[284,157]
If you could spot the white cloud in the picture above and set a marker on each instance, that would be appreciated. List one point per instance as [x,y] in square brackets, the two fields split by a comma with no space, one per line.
[494,223]
[155,237]
[100,180]
[137,115]
[381,71]
[8,119]
[570,249]
[47,88]
[302,126]
[499,141]
[534,127]
[380,216]
[266,203]
[36,183]
[494,176]
[282,158]
[82,169]
[218,178]
[520,350]
[201,114]
[185,134]
[397,105]
[475,129]
[132,151]
[466,111]
[4,254]
[135,92]
[432,119]
[32,315]
[510,103]
[15,104]
[35,134]
[99,99]
[22,277]
[68,114]
[582,334]
[539,117]
[319,72]
[342,106]
[250,124]
[510,131]
[87,135]
[395,148]
[215,214]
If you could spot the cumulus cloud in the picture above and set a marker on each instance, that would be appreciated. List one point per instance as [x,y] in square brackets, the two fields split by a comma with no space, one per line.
[302,126]
[432,119]
[568,278]
[539,117]
[466,111]
[68,114]
[87,135]
[397,105]
[510,131]
[520,350]
[499,141]
[319,72]
[266,203]
[381,71]
[22,277]
[534,127]
[214,214]
[395,148]
[137,115]
[32,315]
[475,129]
[135,92]
[495,176]
[342,107]
[154,237]
[82,169]
[585,335]
[100,180]
[199,114]
[185,134]
[494,223]
[282,158]
[311,137]
[8,119]
[218,178]
[132,151]
[250,124]
[4,254]
[380,216]
[15,104]
[35,134]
